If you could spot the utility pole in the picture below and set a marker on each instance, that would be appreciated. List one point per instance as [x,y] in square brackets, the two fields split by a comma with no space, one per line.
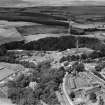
[77,44]
[70,26]
[69,19]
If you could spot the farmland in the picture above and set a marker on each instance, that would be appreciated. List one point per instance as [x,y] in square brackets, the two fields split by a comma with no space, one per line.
[34,22]
[37,51]
[8,69]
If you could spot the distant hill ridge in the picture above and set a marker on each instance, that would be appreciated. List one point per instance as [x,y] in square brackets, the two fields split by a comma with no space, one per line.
[29,3]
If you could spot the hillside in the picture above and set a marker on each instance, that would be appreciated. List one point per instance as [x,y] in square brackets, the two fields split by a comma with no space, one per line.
[49,15]
[9,34]
[48,22]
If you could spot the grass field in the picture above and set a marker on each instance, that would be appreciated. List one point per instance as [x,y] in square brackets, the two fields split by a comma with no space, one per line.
[6,101]
[41,36]
[8,69]
[8,35]
[54,17]
[41,29]
[46,14]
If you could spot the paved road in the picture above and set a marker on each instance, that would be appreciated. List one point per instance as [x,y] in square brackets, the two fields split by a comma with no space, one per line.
[68,100]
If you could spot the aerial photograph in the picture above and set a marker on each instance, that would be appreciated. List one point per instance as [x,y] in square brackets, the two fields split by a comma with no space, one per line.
[52,52]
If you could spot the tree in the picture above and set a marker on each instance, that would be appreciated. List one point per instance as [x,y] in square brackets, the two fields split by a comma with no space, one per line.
[63,59]
[29,98]
[98,68]
[3,50]
[101,101]
[20,78]
[102,50]
[94,55]
[79,67]
[11,84]
[84,56]
[93,97]
[72,95]
[48,80]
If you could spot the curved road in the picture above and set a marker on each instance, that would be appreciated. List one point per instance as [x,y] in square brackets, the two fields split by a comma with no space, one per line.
[69,101]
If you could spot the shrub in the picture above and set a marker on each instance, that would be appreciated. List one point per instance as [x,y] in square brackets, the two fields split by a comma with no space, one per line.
[93,97]
[84,56]
[3,50]
[48,80]
[100,66]
[79,67]
[72,95]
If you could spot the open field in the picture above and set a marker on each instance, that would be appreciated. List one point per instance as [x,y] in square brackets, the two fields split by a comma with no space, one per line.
[53,21]
[36,37]
[49,15]
[41,36]
[9,34]
[8,69]
[10,24]
[41,29]
[4,101]
[60,12]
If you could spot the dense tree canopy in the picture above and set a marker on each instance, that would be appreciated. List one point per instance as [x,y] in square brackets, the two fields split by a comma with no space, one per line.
[48,81]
